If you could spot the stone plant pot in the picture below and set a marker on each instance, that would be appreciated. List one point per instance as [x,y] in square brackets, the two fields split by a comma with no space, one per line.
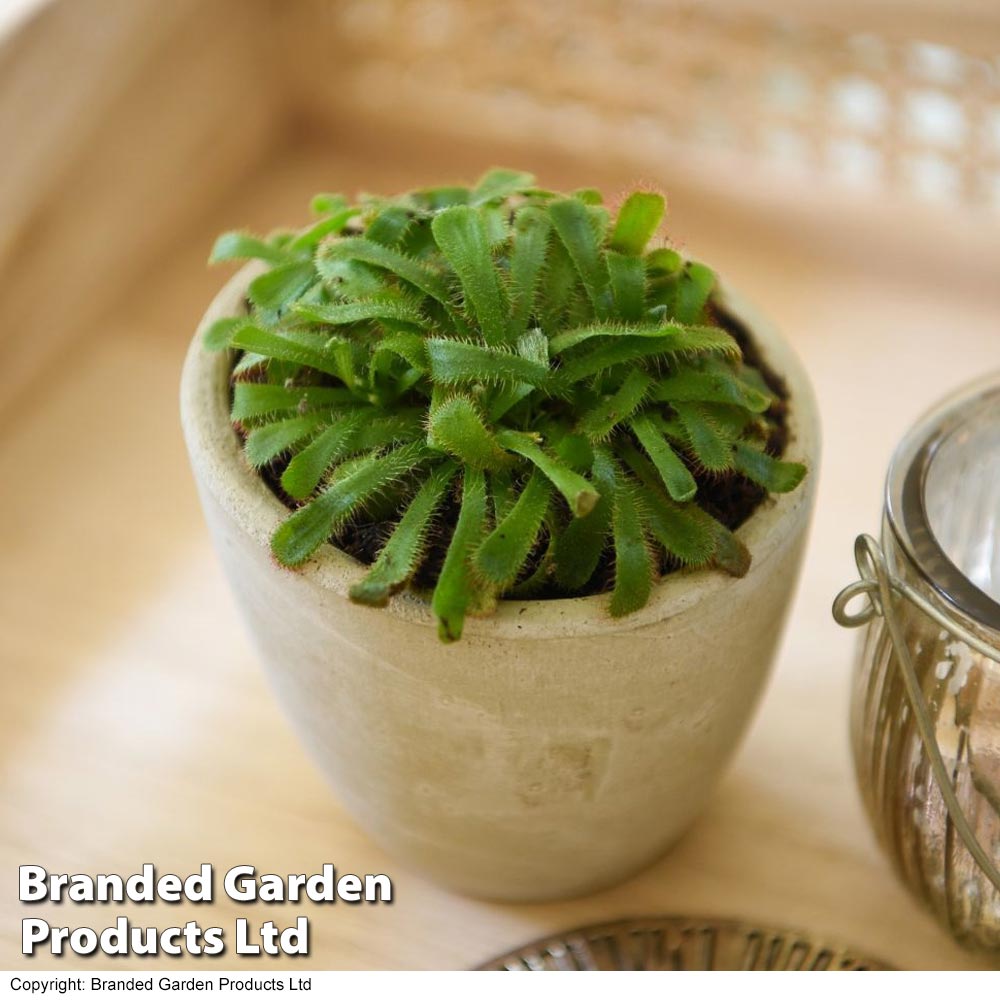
[553,750]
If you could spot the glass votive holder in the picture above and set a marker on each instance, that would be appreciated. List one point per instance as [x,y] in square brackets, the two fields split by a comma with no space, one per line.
[925,712]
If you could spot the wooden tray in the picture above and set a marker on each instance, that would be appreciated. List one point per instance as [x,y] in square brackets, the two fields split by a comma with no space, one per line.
[134,722]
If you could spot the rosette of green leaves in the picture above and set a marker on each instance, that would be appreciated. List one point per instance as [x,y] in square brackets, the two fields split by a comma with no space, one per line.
[509,375]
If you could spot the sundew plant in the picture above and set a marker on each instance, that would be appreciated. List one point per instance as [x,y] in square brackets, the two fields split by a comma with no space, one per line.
[536,394]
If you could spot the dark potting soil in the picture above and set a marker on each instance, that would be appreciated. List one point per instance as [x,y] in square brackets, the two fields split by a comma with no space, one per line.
[730,498]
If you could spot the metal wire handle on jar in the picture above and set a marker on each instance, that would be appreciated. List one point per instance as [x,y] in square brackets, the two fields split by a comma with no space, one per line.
[879,585]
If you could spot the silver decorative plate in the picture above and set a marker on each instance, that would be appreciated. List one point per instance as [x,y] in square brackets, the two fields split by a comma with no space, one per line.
[681,943]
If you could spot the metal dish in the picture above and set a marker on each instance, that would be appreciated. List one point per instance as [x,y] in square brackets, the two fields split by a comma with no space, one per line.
[673,944]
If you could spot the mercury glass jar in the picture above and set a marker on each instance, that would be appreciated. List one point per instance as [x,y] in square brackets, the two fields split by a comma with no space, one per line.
[925,714]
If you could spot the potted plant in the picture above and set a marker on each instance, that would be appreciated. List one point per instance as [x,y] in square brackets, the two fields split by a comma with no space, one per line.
[511,497]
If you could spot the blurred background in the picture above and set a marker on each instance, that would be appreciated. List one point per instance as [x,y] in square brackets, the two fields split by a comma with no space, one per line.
[839,162]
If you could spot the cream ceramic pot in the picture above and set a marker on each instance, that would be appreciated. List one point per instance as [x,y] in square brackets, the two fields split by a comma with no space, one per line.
[553,750]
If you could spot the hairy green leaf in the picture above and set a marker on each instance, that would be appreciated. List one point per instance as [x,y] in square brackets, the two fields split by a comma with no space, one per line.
[575,227]
[633,561]
[326,203]
[589,196]
[496,221]
[534,346]
[684,530]
[455,587]
[457,428]
[304,532]
[628,350]
[248,363]
[453,362]
[298,346]
[579,493]
[730,554]
[691,340]
[695,286]
[576,451]
[438,198]
[675,474]
[527,258]
[389,225]
[402,553]
[341,352]
[461,234]
[267,442]
[306,469]
[274,289]
[715,384]
[241,246]
[348,279]
[364,251]
[628,285]
[219,335]
[579,546]
[562,289]
[397,428]
[502,555]
[637,220]
[412,347]
[712,449]
[600,421]
[662,262]
[501,485]
[334,223]
[500,183]
[258,399]
[536,581]
[393,308]
[775,476]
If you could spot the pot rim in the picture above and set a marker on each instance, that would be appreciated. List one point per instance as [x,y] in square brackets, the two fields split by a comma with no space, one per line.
[216,455]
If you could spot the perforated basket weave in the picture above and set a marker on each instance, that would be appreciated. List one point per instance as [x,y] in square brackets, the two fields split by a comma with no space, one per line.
[882,116]
[885,97]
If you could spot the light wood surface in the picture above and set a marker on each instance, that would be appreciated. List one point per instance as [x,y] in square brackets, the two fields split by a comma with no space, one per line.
[134,721]
[106,106]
